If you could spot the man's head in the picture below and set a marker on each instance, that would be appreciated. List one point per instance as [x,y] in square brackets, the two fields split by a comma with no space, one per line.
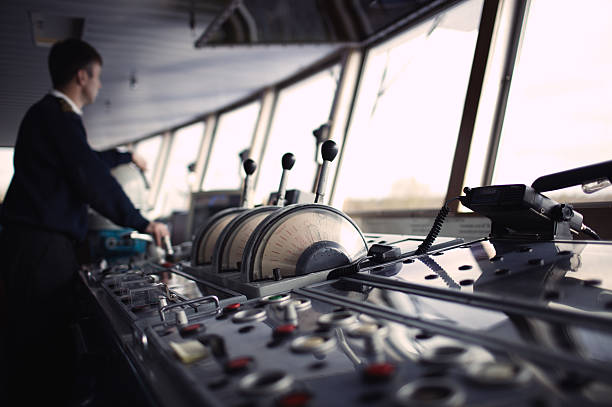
[76,64]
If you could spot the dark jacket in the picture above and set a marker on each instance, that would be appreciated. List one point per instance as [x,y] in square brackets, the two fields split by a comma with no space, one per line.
[113,157]
[57,175]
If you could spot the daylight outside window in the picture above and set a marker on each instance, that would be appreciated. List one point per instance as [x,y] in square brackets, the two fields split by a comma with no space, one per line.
[6,170]
[404,129]
[559,113]
[233,135]
[300,109]
[149,150]
[176,186]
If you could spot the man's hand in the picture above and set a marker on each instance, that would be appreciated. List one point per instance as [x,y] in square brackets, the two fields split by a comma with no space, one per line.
[139,161]
[158,231]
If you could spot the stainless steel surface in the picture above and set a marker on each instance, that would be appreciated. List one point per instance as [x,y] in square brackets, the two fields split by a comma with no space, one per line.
[502,323]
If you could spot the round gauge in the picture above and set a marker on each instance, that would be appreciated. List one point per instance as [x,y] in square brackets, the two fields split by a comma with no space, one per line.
[301,239]
[208,234]
[232,239]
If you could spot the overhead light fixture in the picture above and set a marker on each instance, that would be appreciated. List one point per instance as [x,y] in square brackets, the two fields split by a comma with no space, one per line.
[47,29]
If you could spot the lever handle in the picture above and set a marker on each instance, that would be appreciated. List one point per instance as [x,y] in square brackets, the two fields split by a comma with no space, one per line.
[329,150]
[249,168]
[287,161]
[168,248]
[576,176]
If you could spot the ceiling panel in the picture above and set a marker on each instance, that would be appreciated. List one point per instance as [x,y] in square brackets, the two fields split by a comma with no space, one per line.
[152,40]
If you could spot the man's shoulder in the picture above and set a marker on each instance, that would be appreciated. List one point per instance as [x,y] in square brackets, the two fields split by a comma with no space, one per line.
[46,117]
[52,107]
[48,104]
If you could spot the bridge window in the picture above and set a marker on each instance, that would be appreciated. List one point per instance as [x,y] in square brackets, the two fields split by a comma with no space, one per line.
[178,178]
[559,108]
[401,142]
[149,150]
[6,170]
[233,135]
[300,109]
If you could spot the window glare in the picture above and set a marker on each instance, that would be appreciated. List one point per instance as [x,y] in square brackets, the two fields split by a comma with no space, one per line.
[300,109]
[559,109]
[233,135]
[6,170]
[407,115]
[177,183]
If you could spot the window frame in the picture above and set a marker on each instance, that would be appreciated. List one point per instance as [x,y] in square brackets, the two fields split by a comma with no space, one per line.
[494,13]
[489,22]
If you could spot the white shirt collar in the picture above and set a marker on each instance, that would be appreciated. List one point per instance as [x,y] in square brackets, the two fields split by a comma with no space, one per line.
[61,95]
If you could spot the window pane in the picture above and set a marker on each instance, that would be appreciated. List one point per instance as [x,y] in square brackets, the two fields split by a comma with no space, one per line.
[233,135]
[300,109]
[401,143]
[149,150]
[559,113]
[6,170]
[176,185]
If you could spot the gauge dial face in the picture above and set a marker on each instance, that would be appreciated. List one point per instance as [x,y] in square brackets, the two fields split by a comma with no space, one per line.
[206,248]
[284,243]
[232,254]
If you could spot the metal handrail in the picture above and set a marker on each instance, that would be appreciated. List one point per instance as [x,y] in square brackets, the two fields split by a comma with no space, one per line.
[213,298]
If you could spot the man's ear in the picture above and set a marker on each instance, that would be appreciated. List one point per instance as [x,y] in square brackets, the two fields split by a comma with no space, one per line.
[82,76]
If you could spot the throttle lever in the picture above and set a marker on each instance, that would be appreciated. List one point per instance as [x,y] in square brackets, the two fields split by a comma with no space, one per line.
[168,248]
[249,168]
[288,162]
[329,150]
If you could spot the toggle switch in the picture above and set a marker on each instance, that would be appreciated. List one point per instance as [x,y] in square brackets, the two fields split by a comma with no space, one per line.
[181,317]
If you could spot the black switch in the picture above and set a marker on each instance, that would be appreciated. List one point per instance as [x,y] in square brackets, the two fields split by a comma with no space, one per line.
[382,253]
[215,343]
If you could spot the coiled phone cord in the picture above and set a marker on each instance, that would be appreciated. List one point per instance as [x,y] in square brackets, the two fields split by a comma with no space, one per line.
[435,229]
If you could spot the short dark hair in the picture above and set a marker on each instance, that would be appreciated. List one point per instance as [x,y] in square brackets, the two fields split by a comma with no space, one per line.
[67,57]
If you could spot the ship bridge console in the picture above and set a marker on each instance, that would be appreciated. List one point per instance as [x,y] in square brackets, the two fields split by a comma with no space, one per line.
[294,305]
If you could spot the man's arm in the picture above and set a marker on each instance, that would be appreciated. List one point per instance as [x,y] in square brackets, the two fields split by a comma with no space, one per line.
[158,231]
[113,158]
[91,180]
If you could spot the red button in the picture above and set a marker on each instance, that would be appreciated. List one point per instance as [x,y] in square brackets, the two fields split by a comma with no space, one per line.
[379,371]
[167,264]
[284,330]
[238,364]
[232,307]
[297,399]
[189,329]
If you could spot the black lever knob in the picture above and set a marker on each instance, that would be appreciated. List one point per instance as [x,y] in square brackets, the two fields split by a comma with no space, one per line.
[321,132]
[249,166]
[329,150]
[288,161]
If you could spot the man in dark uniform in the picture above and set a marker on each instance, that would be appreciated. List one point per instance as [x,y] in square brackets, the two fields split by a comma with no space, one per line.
[44,215]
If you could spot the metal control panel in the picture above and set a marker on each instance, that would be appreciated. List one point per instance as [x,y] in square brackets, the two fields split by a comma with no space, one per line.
[495,323]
